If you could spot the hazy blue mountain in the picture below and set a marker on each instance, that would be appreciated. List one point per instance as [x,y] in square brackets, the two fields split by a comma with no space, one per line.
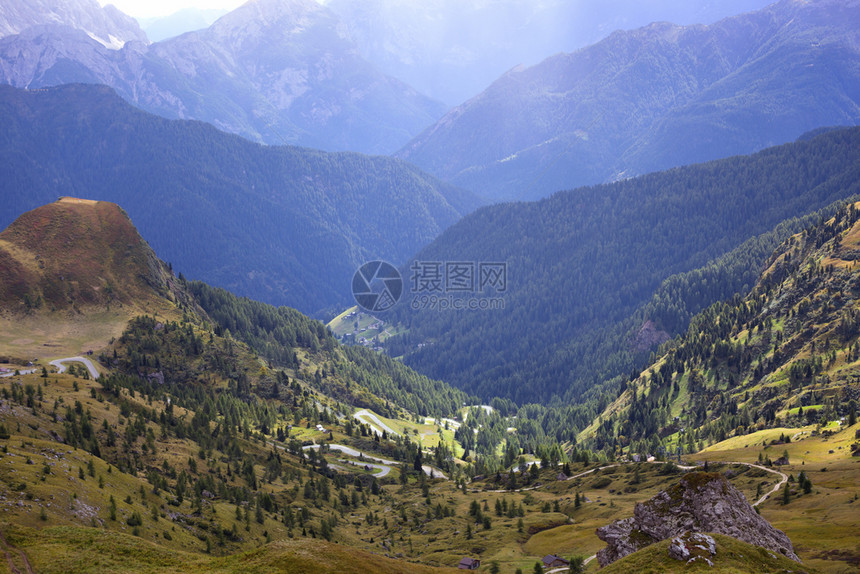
[453,49]
[285,225]
[653,98]
[185,20]
[107,25]
[276,71]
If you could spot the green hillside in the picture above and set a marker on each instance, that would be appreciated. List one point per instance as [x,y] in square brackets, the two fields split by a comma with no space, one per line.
[190,440]
[785,355]
[732,557]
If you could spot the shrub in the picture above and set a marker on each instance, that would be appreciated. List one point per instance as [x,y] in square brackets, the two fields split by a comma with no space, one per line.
[601,482]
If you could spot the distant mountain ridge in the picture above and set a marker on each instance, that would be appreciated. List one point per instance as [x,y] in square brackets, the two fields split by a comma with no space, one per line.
[276,71]
[452,50]
[650,99]
[185,20]
[285,225]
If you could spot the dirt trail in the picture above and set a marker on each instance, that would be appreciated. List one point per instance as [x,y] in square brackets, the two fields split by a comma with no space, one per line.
[12,567]
[779,484]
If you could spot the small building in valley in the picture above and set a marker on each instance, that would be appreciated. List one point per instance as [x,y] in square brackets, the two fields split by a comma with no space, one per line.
[553,561]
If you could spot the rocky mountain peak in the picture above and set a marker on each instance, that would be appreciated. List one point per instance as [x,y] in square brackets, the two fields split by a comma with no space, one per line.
[700,502]
[107,25]
[283,18]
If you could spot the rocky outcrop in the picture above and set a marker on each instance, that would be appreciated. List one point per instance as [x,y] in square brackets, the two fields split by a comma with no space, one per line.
[692,546]
[647,337]
[700,502]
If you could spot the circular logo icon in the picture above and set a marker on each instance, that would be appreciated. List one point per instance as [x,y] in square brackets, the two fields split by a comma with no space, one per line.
[377,286]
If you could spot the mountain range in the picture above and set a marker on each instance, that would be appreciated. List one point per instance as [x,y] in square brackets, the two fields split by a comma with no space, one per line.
[298,72]
[286,225]
[651,99]
[280,71]
[452,50]
[552,364]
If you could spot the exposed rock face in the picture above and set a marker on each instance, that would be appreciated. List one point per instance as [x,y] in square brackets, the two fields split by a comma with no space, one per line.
[648,336]
[700,502]
[106,25]
[692,546]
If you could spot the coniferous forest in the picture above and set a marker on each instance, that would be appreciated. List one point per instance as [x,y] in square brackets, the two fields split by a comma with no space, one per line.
[584,263]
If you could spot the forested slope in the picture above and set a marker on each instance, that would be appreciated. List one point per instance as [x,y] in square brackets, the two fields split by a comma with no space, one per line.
[285,225]
[786,354]
[583,263]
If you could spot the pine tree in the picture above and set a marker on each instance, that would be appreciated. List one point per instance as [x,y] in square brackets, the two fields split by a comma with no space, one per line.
[577,565]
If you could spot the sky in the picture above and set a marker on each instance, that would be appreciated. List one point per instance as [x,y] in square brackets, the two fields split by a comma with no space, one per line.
[152,8]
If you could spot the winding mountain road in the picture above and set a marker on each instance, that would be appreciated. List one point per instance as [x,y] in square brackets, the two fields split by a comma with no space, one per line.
[381,425]
[383,468]
[61,368]
[349,451]
[94,373]
[384,465]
